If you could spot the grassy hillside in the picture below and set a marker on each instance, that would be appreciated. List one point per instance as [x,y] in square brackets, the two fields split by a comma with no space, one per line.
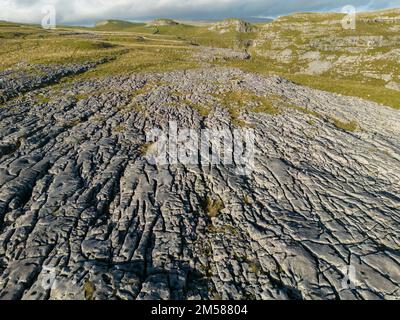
[308,48]
[117,25]
[314,49]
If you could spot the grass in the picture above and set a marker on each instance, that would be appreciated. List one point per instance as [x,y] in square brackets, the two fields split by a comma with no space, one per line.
[247,200]
[117,25]
[347,78]
[226,230]
[42,99]
[203,111]
[266,105]
[89,290]
[97,119]
[90,45]
[52,50]
[145,148]
[132,106]
[141,48]
[373,90]
[351,126]
[377,94]
[238,101]
[255,267]
[72,123]
[212,207]
[147,88]
[119,128]
[149,59]
[82,96]
[306,111]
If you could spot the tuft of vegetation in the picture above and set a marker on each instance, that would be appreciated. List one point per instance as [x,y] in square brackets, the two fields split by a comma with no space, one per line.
[82,96]
[98,118]
[237,102]
[226,230]
[248,100]
[247,200]
[266,105]
[42,99]
[255,267]
[72,123]
[89,290]
[305,111]
[351,126]
[145,148]
[119,128]
[203,111]
[212,207]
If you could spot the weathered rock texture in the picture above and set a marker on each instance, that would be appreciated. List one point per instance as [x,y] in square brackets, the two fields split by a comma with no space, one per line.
[81,208]
[318,44]
[229,25]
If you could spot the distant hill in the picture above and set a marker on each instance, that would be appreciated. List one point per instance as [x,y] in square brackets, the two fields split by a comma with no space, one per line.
[112,25]
[163,22]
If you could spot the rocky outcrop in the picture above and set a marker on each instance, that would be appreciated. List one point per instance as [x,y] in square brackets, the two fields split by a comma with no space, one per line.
[215,54]
[230,25]
[28,78]
[393,85]
[84,212]
[318,43]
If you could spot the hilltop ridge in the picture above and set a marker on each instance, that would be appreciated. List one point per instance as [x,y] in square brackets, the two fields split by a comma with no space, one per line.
[163,22]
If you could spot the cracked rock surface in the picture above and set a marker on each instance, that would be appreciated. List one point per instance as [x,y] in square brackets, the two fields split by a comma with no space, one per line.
[14,82]
[82,207]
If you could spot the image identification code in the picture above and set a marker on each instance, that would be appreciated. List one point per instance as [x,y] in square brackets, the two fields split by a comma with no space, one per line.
[211,310]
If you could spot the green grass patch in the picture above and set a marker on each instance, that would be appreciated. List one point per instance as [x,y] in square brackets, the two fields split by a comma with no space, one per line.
[266,105]
[351,126]
[238,101]
[372,90]
[203,111]
[377,94]
[146,59]
[119,128]
[145,148]
[82,96]
[42,99]
[306,111]
[89,290]
[212,207]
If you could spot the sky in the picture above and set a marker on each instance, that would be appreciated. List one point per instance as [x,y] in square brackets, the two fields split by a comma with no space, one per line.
[87,12]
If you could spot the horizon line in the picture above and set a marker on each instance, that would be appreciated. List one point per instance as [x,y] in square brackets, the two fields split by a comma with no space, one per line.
[188,19]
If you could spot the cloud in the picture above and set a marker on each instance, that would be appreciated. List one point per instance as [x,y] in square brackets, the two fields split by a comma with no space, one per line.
[89,11]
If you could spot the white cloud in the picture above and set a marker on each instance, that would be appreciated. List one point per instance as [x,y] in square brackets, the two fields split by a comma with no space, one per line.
[88,11]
